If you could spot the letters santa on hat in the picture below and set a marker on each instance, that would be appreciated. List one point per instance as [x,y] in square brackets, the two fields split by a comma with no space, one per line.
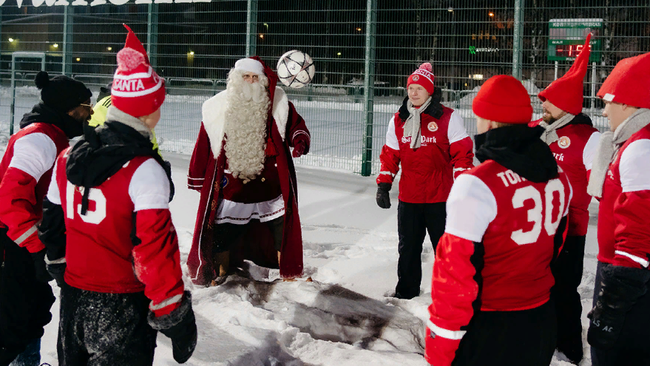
[137,90]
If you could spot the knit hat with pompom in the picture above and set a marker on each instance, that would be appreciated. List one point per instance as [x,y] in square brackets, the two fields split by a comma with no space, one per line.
[423,76]
[61,92]
[137,89]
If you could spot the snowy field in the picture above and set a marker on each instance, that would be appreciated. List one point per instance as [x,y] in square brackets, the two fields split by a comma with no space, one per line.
[342,318]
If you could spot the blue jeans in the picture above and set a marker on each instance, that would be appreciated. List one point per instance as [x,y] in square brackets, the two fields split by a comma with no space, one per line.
[31,356]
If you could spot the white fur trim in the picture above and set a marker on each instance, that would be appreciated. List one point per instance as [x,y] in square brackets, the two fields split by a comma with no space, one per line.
[281,111]
[250,65]
[214,111]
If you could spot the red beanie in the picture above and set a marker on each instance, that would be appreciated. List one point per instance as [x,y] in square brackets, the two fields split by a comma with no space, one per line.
[423,77]
[503,98]
[629,82]
[566,92]
[137,89]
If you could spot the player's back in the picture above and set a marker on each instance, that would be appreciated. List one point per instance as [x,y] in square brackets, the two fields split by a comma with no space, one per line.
[519,242]
[100,242]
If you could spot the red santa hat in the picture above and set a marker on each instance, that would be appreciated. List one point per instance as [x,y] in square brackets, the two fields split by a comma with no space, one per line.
[503,98]
[423,77]
[566,92]
[250,65]
[629,82]
[137,89]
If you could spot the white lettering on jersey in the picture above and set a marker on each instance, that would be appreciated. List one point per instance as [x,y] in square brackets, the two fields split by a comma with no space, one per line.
[96,195]
[423,141]
[558,157]
[509,177]
[535,213]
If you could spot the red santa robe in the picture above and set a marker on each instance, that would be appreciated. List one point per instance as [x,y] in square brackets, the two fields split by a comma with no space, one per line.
[207,168]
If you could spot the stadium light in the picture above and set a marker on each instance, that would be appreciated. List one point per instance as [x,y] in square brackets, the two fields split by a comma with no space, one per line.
[109,48]
[78,59]
[56,45]
[11,40]
[491,14]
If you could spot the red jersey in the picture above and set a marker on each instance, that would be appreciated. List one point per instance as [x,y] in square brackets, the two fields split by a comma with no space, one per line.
[125,242]
[500,237]
[429,171]
[574,152]
[25,173]
[623,224]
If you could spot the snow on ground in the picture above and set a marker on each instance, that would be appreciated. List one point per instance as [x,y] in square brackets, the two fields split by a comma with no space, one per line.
[342,318]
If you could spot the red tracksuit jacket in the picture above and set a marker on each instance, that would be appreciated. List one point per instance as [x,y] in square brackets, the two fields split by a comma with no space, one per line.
[624,211]
[574,152]
[501,229]
[26,170]
[126,242]
[428,172]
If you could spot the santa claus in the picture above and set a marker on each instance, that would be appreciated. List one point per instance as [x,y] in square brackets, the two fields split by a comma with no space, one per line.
[243,168]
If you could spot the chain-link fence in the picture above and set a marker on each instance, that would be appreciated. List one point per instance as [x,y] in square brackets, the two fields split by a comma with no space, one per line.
[356,45]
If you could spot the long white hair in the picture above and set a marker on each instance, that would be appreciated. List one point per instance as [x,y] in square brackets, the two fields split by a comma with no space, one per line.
[245,127]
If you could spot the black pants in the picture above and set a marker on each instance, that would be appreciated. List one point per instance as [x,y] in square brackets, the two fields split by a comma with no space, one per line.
[413,221]
[103,329]
[567,270]
[633,345]
[226,235]
[509,338]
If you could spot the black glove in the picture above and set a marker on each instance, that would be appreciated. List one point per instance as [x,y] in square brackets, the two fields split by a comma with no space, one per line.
[383,199]
[57,270]
[620,288]
[40,272]
[180,327]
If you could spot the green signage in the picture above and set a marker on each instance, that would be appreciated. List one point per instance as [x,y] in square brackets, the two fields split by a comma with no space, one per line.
[567,37]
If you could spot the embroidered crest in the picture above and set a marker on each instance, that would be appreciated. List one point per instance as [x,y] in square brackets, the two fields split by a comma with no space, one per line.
[224,181]
[432,126]
[564,142]
[415,78]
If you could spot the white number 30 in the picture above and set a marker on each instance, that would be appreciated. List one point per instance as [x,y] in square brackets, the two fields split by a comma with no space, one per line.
[521,195]
[92,217]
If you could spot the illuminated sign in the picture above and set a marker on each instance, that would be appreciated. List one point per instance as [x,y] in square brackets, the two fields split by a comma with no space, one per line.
[567,37]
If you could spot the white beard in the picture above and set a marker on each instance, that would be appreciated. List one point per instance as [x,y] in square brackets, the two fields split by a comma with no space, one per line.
[245,126]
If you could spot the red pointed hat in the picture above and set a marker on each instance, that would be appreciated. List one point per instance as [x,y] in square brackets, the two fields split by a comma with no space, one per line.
[503,98]
[137,89]
[629,82]
[566,92]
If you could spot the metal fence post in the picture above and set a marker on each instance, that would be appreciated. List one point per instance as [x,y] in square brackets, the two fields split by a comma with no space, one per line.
[518,41]
[369,86]
[68,22]
[251,28]
[152,34]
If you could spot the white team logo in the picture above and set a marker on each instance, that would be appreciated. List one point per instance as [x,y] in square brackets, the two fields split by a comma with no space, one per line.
[432,126]
[416,78]
[564,142]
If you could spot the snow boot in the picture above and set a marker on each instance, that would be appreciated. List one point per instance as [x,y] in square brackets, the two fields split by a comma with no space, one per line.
[222,266]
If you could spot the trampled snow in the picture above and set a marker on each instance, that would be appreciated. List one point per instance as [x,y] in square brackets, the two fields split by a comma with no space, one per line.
[343,318]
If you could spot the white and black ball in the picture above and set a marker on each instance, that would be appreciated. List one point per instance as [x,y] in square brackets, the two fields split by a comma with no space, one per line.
[295,69]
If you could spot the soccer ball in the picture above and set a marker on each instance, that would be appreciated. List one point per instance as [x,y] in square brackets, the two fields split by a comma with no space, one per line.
[295,69]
